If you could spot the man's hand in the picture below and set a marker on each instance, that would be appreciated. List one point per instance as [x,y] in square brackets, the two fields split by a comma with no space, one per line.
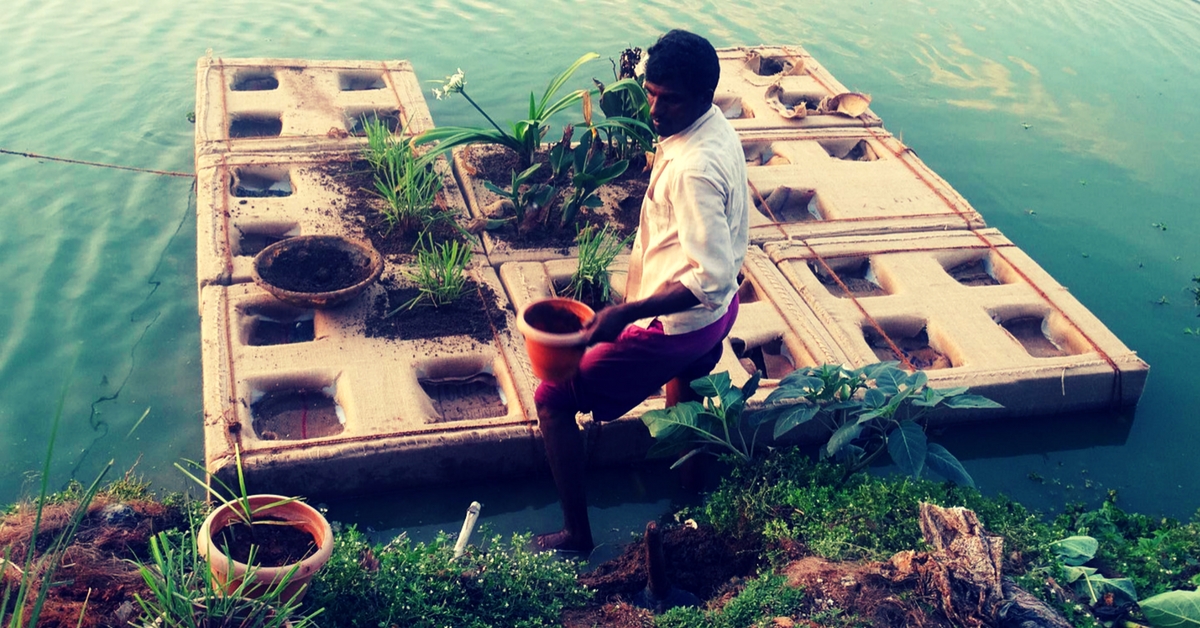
[608,323]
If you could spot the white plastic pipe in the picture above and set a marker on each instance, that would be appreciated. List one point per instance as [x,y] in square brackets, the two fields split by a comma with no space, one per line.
[467,528]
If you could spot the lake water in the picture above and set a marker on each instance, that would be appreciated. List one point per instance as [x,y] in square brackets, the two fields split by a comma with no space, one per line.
[1071,126]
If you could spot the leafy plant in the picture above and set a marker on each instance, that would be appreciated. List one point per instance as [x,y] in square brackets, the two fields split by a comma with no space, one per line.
[1173,608]
[590,173]
[183,594]
[597,250]
[237,500]
[1074,552]
[758,604]
[529,201]
[562,156]
[872,409]
[404,179]
[405,583]
[869,410]
[627,130]
[440,275]
[525,136]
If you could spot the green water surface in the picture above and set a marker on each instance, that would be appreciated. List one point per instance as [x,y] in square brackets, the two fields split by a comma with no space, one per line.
[1071,126]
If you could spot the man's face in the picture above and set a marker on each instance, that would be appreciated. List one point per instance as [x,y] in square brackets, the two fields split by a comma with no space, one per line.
[672,108]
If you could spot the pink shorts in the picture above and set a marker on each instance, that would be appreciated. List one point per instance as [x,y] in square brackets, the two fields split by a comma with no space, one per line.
[614,377]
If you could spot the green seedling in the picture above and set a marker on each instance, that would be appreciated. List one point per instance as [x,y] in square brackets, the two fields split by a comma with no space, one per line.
[597,250]
[406,181]
[528,202]
[590,173]
[440,275]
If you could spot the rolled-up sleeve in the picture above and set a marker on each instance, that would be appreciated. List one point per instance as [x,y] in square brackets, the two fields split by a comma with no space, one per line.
[699,203]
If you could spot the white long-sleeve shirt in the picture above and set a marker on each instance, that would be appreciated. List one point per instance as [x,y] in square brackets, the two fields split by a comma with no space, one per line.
[694,222]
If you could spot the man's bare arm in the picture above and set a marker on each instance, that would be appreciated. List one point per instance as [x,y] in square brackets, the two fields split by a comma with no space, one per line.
[608,323]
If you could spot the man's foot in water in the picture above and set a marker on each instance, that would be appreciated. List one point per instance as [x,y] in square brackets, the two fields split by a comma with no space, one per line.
[563,541]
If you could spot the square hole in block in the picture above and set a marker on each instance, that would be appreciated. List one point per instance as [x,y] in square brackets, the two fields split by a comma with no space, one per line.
[1042,334]
[855,273]
[977,268]
[462,389]
[912,339]
[254,80]
[261,182]
[849,149]
[732,107]
[356,121]
[788,204]
[796,102]
[302,409]
[276,324]
[253,238]
[360,80]
[243,125]
[771,65]
[763,154]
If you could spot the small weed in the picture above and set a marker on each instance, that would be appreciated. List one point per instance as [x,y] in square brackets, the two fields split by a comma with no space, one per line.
[406,181]
[597,250]
[440,275]
[763,599]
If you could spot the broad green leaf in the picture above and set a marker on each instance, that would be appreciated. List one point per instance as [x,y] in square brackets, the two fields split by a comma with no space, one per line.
[889,379]
[715,385]
[1172,609]
[874,398]
[929,398]
[946,465]
[1121,588]
[971,401]
[801,380]
[1075,573]
[908,447]
[1075,550]
[780,395]
[842,437]
[872,371]
[850,453]
[797,415]
[951,392]
[751,385]
[917,379]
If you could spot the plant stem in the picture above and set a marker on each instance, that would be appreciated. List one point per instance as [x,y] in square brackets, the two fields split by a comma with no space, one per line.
[481,111]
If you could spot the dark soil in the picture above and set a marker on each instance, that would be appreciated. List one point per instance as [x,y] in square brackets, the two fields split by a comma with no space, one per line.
[97,566]
[916,350]
[497,167]
[313,269]
[275,542]
[474,314]
[355,182]
[553,319]
[973,274]
[591,296]
[295,415]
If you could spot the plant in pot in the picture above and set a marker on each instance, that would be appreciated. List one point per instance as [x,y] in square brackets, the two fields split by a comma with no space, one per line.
[182,592]
[255,542]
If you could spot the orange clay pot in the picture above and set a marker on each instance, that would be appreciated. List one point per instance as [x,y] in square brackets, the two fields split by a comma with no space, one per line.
[554,336]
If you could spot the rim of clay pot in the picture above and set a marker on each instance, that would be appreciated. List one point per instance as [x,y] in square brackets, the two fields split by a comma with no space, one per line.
[318,300]
[573,339]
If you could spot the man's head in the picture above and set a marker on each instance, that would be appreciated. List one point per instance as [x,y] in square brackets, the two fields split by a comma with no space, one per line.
[681,76]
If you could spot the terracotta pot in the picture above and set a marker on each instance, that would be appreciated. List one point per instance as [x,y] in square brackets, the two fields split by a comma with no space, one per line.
[230,573]
[554,336]
[367,263]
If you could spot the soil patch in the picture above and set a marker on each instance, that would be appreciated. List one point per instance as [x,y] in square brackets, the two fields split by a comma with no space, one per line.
[591,295]
[97,564]
[313,269]
[496,165]
[275,542]
[474,314]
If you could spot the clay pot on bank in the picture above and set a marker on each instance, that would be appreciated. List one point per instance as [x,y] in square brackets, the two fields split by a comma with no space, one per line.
[316,271]
[229,573]
[554,336]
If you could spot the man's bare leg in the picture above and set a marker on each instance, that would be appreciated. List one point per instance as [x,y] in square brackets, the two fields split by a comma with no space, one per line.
[565,453]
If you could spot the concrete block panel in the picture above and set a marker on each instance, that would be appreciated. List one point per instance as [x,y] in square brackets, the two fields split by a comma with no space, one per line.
[246,201]
[780,87]
[836,182]
[309,392]
[968,307]
[245,105]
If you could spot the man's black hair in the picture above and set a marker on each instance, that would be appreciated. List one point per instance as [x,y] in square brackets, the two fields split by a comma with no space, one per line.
[684,60]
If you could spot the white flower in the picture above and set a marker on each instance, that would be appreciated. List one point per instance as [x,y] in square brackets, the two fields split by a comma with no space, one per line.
[454,84]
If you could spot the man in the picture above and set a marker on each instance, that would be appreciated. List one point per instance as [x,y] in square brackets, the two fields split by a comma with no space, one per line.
[681,295]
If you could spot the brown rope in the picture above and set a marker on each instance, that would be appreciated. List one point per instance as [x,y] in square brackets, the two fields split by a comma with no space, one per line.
[166,173]
[870,319]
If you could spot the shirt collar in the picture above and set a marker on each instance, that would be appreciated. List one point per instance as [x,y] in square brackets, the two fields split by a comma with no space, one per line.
[673,143]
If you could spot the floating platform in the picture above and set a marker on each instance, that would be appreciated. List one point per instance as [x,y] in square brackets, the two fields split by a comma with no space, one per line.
[860,253]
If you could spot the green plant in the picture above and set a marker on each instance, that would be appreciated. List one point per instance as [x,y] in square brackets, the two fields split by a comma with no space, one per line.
[590,173]
[406,181]
[237,500]
[17,609]
[1173,608]
[530,201]
[876,408]
[404,583]
[526,135]
[597,250]
[869,410]
[1073,552]
[183,594]
[757,605]
[626,127]
[440,275]
[562,156]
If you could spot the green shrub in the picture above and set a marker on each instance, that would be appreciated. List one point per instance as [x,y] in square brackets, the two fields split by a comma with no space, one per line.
[419,585]
[762,600]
